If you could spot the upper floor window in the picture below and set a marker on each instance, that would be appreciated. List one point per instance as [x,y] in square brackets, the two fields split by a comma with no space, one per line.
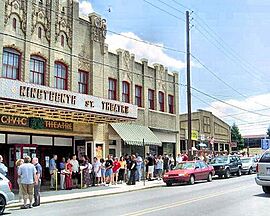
[39,32]
[138,96]
[112,89]
[125,91]
[151,98]
[161,101]
[83,82]
[37,70]
[60,76]
[14,23]
[62,40]
[11,64]
[171,104]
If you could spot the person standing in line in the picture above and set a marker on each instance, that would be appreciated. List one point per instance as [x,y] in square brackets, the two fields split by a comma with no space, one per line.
[37,182]
[3,168]
[179,158]
[103,169]
[159,167]
[108,172]
[155,157]
[97,170]
[128,161]
[68,172]
[165,163]
[139,162]
[53,171]
[185,157]
[150,163]
[62,166]
[171,162]
[116,167]
[19,162]
[85,171]
[75,170]
[132,168]
[122,170]
[27,173]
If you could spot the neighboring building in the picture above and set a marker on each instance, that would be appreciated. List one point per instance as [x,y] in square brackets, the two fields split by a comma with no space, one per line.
[61,89]
[206,129]
[253,141]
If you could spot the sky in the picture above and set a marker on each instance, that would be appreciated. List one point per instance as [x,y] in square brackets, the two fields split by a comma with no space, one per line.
[229,44]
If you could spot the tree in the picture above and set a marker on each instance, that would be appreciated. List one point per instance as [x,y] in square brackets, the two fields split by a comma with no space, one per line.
[236,136]
[268,131]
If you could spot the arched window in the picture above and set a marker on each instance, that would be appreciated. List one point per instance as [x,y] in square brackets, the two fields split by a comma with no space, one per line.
[37,70]
[11,64]
[14,23]
[62,40]
[39,32]
[60,76]
[125,92]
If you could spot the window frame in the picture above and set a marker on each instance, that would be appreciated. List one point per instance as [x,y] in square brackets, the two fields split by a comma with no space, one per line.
[56,77]
[138,97]
[14,23]
[39,32]
[125,95]
[86,84]
[171,105]
[161,102]
[112,91]
[62,40]
[151,103]
[40,59]
[13,52]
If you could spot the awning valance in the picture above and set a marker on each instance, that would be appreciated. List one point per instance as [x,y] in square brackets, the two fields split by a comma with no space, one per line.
[135,134]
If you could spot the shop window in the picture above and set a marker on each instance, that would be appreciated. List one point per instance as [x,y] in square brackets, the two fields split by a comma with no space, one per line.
[138,96]
[11,64]
[83,82]
[112,89]
[62,40]
[14,23]
[60,76]
[125,91]
[161,101]
[151,97]
[39,32]
[171,104]
[37,70]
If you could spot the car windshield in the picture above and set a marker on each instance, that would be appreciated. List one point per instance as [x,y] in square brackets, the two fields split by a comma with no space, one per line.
[218,160]
[182,166]
[245,160]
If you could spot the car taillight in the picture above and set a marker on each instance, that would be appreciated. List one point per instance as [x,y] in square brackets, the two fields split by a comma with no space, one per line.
[257,168]
[10,185]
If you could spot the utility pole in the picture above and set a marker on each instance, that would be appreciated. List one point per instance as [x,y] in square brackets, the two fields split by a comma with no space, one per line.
[189,143]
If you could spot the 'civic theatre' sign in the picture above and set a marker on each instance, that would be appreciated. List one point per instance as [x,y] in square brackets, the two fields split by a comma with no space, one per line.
[30,93]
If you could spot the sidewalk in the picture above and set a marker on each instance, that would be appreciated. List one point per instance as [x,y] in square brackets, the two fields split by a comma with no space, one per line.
[65,195]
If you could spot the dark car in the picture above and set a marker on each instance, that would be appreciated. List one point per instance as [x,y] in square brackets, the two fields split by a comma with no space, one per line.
[189,172]
[227,165]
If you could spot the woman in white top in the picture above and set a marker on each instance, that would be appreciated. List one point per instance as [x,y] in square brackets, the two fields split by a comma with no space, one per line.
[97,170]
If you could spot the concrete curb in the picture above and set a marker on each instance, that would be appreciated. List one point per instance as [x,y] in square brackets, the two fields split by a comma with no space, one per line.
[83,195]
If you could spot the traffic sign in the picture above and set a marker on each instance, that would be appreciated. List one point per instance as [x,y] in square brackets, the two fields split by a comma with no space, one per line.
[265,144]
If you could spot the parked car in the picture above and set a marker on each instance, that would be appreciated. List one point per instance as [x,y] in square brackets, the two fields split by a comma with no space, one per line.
[6,196]
[248,165]
[227,165]
[189,172]
[263,172]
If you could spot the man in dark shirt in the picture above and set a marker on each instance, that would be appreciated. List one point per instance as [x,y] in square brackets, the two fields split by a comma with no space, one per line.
[37,182]
[108,168]
[150,164]
[132,168]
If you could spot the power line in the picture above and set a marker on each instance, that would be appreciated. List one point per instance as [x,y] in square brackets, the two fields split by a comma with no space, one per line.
[182,5]
[174,8]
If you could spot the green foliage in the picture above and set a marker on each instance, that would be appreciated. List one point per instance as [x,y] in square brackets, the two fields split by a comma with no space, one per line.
[237,137]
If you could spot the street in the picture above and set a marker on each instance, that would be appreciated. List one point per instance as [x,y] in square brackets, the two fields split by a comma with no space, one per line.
[235,196]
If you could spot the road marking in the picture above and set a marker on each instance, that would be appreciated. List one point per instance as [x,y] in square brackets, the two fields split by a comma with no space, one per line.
[184,202]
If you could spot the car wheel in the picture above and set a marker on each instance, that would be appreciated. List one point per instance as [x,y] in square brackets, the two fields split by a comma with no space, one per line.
[239,173]
[191,180]
[169,184]
[2,205]
[209,179]
[227,173]
[250,171]
[266,189]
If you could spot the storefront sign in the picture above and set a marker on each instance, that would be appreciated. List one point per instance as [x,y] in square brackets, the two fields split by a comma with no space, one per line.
[194,135]
[43,95]
[14,121]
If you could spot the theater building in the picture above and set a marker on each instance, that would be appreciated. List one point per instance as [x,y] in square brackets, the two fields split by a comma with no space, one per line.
[63,92]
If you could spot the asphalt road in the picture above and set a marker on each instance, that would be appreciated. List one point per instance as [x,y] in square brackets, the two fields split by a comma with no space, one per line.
[239,196]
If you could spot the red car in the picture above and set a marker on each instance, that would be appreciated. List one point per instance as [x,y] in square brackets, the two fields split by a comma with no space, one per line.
[189,172]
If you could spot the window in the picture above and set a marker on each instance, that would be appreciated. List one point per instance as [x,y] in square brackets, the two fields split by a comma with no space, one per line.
[11,64]
[171,104]
[60,76]
[37,70]
[39,32]
[125,91]
[138,96]
[112,89]
[62,40]
[151,96]
[161,101]
[14,23]
[83,82]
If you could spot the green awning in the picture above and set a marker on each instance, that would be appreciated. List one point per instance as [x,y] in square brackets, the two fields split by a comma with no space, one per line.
[135,134]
